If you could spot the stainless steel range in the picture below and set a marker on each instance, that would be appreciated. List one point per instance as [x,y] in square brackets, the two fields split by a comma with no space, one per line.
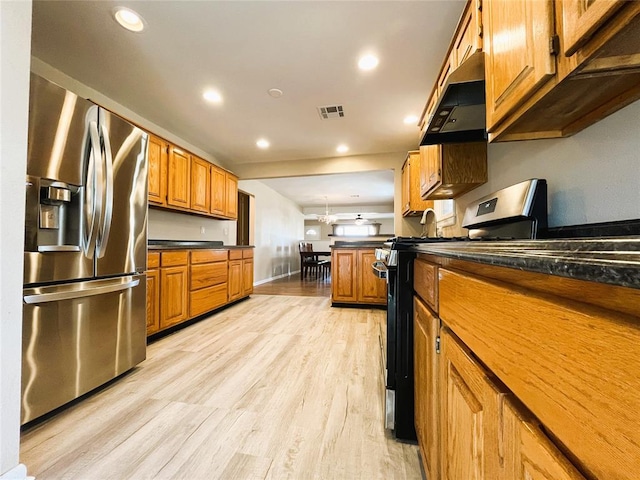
[515,212]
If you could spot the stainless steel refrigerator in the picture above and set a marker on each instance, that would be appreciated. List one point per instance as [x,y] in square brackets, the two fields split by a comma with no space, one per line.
[85,249]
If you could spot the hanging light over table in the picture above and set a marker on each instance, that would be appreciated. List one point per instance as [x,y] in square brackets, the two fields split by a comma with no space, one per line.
[326,218]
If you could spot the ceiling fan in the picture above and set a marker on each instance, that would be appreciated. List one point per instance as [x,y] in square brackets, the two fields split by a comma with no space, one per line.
[359,220]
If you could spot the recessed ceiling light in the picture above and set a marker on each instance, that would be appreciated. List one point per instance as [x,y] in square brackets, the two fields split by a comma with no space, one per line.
[342,149]
[275,92]
[368,62]
[212,96]
[410,120]
[128,19]
[262,143]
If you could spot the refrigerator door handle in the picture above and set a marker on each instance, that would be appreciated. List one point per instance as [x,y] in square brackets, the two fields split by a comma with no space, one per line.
[78,290]
[107,183]
[93,192]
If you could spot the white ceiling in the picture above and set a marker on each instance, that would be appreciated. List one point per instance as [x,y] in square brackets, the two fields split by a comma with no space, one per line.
[308,49]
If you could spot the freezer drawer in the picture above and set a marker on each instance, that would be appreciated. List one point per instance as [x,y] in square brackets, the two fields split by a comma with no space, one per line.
[77,337]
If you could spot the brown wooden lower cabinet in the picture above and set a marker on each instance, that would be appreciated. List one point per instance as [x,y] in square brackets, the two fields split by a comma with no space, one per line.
[530,384]
[184,284]
[352,278]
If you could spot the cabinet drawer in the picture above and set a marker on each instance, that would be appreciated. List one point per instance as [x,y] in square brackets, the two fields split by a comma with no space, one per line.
[207,256]
[235,254]
[174,258]
[153,260]
[207,275]
[207,299]
[425,282]
[247,253]
[564,360]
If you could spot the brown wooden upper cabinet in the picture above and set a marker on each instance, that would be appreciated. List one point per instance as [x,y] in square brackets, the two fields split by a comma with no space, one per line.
[554,68]
[181,181]
[179,184]
[158,153]
[200,185]
[412,204]
[450,170]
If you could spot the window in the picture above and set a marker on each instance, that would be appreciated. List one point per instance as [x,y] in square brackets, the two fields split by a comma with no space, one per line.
[356,230]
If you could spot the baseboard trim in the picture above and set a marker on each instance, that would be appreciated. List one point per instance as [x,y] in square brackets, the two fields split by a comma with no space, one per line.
[19,472]
[271,279]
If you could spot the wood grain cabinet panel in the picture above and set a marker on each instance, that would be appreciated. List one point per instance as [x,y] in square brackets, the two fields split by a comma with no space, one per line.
[157,160]
[352,278]
[173,288]
[200,185]
[528,452]
[207,299]
[425,282]
[218,191]
[453,169]
[580,18]
[207,275]
[235,280]
[426,327]
[574,366]
[247,276]
[412,203]
[470,402]
[153,292]
[518,60]
[179,181]
[232,196]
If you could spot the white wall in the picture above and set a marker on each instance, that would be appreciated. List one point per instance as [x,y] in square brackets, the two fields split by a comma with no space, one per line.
[165,225]
[593,176]
[279,226]
[15,46]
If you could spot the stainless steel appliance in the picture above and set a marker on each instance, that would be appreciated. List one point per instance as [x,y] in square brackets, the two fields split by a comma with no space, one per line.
[85,249]
[516,212]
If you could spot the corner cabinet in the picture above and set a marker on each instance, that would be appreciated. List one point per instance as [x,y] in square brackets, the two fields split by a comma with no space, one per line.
[450,170]
[412,204]
[352,278]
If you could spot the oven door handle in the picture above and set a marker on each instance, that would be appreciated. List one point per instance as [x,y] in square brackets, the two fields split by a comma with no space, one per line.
[379,269]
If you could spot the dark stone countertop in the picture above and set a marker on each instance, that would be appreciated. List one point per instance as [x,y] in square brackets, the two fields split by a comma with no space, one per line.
[611,260]
[191,244]
[357,244]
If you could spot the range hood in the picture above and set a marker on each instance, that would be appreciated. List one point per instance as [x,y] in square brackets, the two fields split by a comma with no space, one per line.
[460,115]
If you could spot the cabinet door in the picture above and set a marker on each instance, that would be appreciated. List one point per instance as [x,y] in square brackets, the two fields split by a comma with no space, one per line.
[580,18]
[415,196]
[518,59]
[232,197]
[431,163]
[173,285]
[467,42]
[153,301]
[427,414]
[200,185]
[406,187]
[235,279]
[469,404]
[247,276]
[343,275]
[179,187]
[371,289]
[218,191]
[528,452]
[157,156]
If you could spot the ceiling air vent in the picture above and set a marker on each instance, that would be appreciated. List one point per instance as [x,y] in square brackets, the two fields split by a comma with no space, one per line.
[331,111]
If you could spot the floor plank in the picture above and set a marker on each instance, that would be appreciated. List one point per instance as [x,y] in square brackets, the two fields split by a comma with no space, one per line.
[274,387]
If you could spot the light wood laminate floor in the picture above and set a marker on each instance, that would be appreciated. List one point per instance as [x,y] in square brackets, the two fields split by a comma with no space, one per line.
[309,286]
[274,387]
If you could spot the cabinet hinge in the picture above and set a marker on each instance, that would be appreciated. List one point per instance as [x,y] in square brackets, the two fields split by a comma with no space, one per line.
[438,344]
[554,45]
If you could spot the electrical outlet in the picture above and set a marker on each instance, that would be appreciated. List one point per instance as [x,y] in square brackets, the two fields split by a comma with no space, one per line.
[225,231]
[202,230]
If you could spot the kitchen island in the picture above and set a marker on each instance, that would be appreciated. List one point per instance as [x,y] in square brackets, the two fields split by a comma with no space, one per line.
[530,350]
